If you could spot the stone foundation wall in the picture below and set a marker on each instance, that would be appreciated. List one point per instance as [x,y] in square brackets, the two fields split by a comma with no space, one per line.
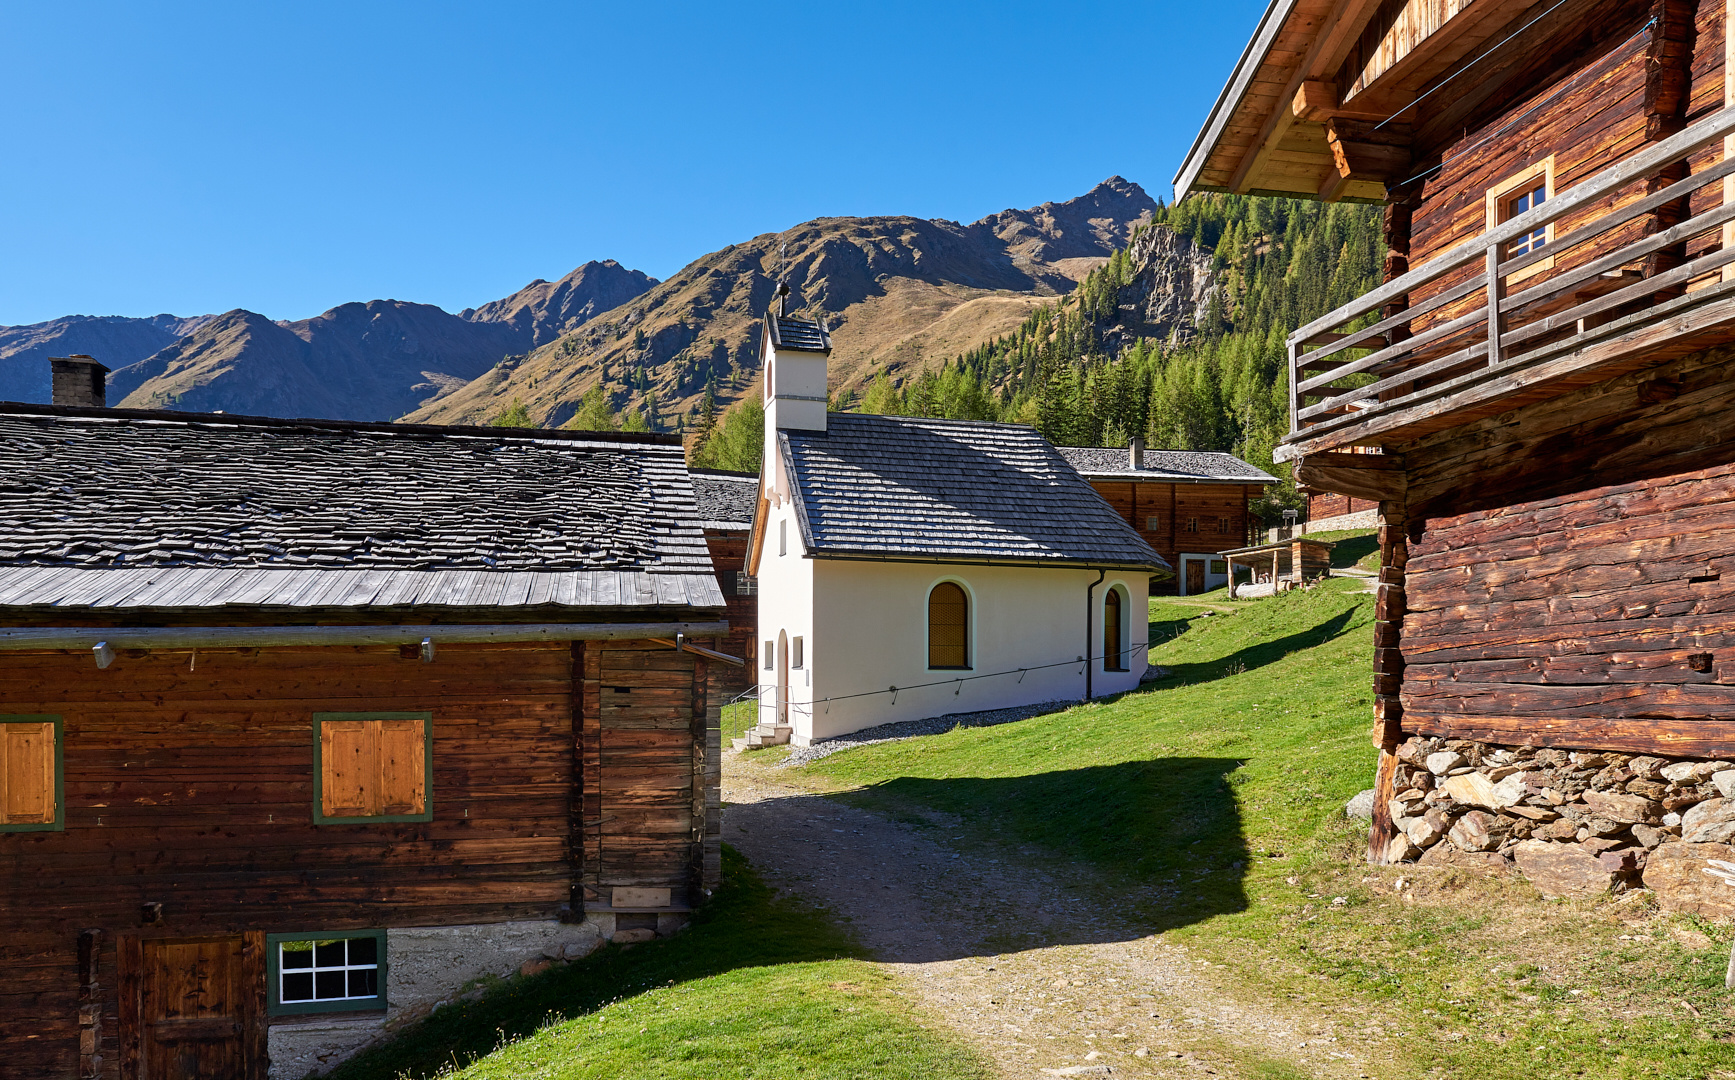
[428,966]
[1573,822]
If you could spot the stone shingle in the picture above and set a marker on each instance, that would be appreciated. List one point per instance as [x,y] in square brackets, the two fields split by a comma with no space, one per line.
[898,486]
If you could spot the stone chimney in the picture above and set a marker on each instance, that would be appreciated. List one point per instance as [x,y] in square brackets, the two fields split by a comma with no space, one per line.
[794,353]
[79,380]
[1136,453]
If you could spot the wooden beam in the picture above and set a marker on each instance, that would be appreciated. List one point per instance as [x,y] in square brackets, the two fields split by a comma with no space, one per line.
[1346,474]
[253,637]
[1343,26]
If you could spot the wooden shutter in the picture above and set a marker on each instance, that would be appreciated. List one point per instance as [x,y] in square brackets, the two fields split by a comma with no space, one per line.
[1111,632]
[402,767]
[373,767]
[27,772]
[348,750]
[948,627]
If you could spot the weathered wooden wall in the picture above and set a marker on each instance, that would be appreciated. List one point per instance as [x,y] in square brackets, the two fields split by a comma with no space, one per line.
[1172,505]
[729,555]
[189,783]
[1330,504]
[1569,578]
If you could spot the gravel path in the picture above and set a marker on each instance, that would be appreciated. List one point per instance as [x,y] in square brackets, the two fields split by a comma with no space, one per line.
[1034,971]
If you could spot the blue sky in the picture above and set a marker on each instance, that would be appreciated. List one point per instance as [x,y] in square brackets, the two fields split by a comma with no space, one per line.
[191,157]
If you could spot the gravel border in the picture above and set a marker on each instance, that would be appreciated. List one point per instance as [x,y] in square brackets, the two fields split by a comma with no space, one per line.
[910,729]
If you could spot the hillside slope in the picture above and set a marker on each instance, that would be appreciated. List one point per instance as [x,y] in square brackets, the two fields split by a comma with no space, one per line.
[116,340]
[898,291]
[372,361]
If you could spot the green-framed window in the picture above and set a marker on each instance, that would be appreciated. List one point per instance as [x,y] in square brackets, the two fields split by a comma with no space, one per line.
[372,767]
[32,783]
[336,971]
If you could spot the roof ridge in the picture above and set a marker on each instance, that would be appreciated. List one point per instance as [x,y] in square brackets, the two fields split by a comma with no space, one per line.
[311,424]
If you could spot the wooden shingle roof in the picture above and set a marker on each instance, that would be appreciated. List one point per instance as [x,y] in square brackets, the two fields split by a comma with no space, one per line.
[110,508]
[896,487]
[1173,466]
[726,499]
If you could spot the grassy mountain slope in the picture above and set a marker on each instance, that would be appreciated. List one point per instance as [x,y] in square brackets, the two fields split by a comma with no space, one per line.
[372,361]
[116,340]
[898,291]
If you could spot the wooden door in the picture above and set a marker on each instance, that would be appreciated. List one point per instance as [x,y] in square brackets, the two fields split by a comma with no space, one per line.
[198,1009]
[1195,576]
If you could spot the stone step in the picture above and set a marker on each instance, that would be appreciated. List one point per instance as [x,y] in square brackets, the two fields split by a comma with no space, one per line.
[768,736]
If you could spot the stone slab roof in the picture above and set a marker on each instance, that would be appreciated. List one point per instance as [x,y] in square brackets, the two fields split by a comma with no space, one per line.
[726,500]
[1171,466]
[123,509]
[802,335]
[946,490]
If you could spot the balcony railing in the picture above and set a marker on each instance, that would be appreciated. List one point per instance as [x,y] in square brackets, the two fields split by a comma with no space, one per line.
[1473,332]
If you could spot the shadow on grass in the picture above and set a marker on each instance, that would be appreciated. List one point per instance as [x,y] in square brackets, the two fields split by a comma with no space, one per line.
[744,925]
[1353,549]
[1257,655]
[1106,853]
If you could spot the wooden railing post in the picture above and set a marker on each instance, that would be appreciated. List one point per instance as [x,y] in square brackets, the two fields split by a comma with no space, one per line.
[1294,380]
[1495,290]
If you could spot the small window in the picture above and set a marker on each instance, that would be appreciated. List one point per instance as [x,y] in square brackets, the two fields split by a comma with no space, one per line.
[1222,525]
[798,652]
[1520,193]
[1113,632]
[1192,525]
[1153,524]
[783,537]
[1534,239]
[334,972]
[372,767]
[770,647]
[31,798]
[948,627]
[1219,566]
[744,583]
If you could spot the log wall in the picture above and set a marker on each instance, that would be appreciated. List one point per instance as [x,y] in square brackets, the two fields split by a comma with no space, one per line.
[1174,506]
[1569,578]
[189,784]
[728,550]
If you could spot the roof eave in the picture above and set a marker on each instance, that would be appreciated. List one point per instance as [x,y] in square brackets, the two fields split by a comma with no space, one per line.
[1234,91]
[962,559]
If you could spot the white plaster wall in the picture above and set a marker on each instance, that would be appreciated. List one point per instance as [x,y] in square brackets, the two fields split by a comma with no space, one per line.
[785,592]
[869,632]
[425,966]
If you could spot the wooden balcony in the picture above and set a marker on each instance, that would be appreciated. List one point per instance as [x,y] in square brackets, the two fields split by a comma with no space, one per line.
[1473,333]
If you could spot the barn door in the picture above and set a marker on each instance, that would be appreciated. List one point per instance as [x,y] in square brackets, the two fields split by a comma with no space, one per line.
[1195,576]
[198,1010]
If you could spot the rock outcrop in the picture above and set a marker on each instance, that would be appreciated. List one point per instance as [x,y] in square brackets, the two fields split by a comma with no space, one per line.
[1171,289]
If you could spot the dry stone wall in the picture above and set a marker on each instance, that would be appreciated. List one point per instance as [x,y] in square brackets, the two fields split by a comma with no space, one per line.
[1573,822]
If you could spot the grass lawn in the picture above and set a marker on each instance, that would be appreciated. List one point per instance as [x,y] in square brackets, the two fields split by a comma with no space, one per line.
[760,987]
[1215,801]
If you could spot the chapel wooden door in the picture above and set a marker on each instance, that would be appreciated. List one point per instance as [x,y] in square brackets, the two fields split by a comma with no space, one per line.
[1195,577]
[198,1010]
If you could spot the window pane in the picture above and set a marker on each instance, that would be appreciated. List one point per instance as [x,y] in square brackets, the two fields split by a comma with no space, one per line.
[364,950]
[328,954]
[298,987]
[364,983]
[296,954]
[328,985]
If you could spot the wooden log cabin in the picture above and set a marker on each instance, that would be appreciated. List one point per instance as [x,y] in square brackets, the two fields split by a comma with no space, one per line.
[727,501]
[1537,397]
[305,725]
[1186,504]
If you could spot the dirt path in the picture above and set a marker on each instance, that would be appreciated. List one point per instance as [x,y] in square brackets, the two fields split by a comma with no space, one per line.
[1032,970]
